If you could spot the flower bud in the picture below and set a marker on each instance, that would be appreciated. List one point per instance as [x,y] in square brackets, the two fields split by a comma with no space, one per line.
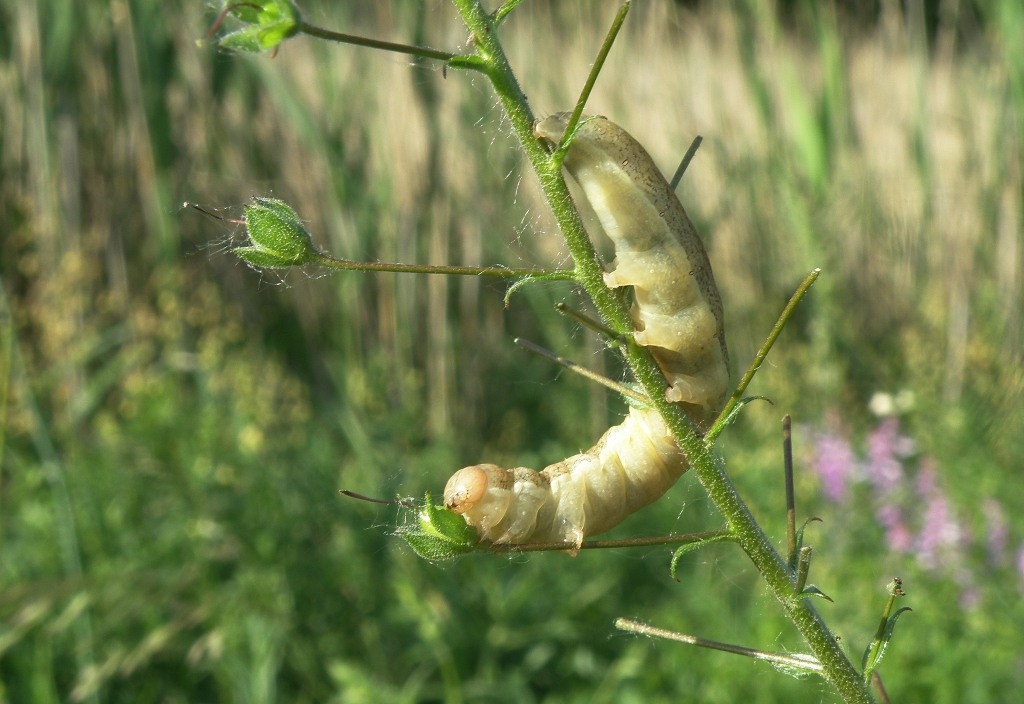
[439,533]
[279,239]
[265,25]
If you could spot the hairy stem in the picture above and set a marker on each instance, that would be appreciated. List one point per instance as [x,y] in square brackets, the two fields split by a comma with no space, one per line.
[448,270]
[790,661]
[707,536]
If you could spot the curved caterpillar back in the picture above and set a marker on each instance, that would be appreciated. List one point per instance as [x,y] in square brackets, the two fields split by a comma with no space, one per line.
[677,312]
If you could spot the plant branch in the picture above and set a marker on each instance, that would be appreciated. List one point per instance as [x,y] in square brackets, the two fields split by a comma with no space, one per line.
[769,342]
[342,38]
[836,667]
[705,536]
[588,322]
[572,366]
[787,471]
[494,271]
[685,163]
[588,87]
[790,661]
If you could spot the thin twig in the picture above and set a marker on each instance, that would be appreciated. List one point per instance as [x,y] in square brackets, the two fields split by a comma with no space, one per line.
[676,539]
[759,358]
[876,680]
[497,271]
[408,503]
[795,661]
[493,62]
[687,158]
[787,463]
[342,38]
[583,371]
[587,321]
[595,70]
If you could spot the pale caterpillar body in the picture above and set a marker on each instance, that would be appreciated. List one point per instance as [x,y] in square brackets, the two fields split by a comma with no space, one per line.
[632,464]
[676,307]
[677,312]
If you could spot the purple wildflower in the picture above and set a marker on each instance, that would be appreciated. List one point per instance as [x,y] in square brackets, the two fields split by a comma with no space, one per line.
[887,447]
[941,533]
[899,536]
[927,483]
[835,463]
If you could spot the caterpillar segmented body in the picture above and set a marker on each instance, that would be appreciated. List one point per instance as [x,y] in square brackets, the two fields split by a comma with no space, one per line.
[677,312]
[630,466]
[676,309]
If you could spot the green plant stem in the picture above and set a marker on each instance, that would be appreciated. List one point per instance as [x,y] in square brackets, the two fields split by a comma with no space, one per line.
[495,271]
[494,64]
[836,667]
[792,661]
[572,366]
[685,163]
[769,342]
[588,322]
[705,536]
[787,470]
[425,52]
[588,87]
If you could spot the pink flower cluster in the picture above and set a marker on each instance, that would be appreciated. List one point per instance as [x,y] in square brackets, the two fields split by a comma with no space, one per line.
[917,515]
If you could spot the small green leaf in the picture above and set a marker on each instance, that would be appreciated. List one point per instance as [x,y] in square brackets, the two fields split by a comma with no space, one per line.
[876,650]
[687,548]
[441,522]
[734,413]
[279,239]
[439,534]
[803,567]
[800,536]
[248,12]
[266,25]
[811,590]
[803,665]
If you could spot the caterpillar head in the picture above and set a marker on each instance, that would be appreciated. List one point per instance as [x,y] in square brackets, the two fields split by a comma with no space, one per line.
[483,494]
[465,488]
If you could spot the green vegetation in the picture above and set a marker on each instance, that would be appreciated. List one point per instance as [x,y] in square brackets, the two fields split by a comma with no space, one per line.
[176,426]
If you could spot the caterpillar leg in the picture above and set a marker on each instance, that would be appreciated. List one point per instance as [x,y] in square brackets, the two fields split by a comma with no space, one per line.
[689,332]
[698,389]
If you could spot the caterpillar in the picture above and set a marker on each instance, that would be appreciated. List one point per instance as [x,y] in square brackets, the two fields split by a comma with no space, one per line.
[677,314]
[677,310]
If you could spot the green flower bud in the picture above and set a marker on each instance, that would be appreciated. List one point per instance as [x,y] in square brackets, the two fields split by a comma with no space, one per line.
[279,239]
[439,534]
[267,24]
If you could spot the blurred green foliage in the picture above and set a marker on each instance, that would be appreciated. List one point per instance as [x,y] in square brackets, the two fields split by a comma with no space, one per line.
[176,426]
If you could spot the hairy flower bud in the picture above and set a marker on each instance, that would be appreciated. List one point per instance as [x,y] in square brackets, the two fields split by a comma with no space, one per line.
[265,25]
[279,239]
